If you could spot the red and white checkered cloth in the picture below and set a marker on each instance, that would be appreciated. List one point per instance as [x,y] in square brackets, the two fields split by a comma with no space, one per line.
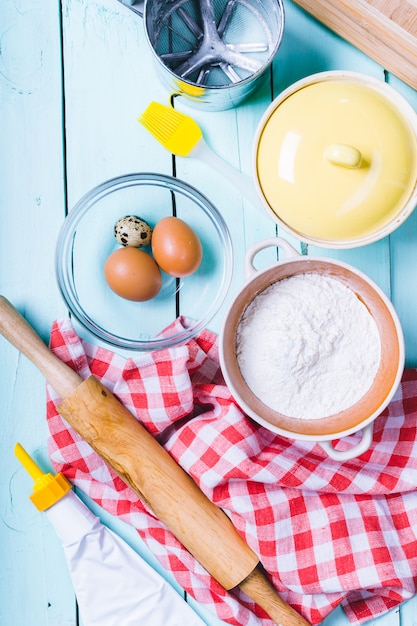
[327,532]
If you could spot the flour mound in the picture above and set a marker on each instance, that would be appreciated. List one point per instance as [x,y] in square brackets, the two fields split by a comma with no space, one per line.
[308,347]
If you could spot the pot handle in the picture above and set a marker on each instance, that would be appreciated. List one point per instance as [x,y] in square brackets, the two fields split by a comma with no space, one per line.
[346,455]
[271,242]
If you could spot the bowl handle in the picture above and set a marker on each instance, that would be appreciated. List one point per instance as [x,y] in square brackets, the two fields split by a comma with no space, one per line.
[271,242]
[346,455]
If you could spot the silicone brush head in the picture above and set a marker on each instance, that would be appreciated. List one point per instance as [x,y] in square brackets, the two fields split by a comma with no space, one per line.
[176,131]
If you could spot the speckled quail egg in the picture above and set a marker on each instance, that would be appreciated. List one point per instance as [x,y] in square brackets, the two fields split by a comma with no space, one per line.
[131,231]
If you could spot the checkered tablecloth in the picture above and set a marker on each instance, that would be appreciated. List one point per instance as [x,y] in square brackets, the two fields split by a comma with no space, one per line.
[327,532]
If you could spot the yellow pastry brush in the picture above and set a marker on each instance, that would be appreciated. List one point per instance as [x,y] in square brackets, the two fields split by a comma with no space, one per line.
[181,135]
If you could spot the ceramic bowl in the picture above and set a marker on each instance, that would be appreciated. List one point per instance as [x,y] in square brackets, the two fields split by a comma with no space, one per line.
[359,416]
[87,238]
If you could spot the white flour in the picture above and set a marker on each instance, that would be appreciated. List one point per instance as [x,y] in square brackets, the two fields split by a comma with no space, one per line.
[308,347]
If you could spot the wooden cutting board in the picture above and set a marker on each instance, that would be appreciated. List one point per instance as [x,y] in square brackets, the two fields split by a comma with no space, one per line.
[386,30]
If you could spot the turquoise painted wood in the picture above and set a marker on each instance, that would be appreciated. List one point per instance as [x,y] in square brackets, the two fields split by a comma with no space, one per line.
[74,75]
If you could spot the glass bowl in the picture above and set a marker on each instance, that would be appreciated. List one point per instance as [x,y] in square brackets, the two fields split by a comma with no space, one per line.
[87,238]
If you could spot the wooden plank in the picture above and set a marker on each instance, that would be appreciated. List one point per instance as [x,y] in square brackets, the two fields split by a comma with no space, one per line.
[110,79]
[35,587]
[401,12]
[403,251]
[108,63]
[386,30]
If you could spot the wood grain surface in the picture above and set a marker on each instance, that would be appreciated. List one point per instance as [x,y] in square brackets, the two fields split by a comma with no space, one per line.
[386,30]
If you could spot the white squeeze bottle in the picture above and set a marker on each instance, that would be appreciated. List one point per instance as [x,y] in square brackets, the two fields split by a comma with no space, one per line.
[113,584]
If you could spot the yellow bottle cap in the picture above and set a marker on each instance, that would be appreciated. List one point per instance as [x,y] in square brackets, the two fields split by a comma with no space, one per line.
[47,488]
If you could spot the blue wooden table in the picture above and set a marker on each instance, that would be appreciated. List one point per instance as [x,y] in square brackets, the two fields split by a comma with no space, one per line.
[74,75]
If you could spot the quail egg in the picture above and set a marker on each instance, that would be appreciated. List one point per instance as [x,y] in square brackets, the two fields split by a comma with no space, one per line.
[132,231]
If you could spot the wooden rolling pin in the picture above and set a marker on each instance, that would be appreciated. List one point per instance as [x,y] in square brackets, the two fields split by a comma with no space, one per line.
[99,418]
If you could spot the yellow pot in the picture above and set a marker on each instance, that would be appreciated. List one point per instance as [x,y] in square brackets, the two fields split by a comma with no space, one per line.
[335,159]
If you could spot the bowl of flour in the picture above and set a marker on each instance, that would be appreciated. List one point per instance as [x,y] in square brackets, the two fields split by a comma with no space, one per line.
[311,348]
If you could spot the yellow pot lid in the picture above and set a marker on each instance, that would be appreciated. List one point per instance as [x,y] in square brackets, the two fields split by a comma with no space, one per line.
[336,160]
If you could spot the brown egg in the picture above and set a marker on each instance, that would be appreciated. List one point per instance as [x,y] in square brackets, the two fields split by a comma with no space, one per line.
[175,247]
[132,274]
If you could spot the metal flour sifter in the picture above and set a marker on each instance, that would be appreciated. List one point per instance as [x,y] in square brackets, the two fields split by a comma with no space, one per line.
[213,52]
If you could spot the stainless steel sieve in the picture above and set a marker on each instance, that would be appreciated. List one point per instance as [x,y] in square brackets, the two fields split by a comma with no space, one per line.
[213,52]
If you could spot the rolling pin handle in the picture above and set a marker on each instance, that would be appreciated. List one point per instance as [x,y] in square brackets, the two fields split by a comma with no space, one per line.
[257,587]
[22,336]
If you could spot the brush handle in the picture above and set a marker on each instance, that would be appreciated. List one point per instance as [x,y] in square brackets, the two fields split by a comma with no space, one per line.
[136,456]
[242,182]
